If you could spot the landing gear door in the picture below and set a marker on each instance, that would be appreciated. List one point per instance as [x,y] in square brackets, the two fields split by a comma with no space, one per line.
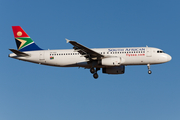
[148,52]
[41,55]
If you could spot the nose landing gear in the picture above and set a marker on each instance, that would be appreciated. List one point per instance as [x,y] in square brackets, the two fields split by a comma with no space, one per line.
[149,71]
[94,72]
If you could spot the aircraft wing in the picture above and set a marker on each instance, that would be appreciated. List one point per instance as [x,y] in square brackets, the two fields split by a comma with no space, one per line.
[84,51]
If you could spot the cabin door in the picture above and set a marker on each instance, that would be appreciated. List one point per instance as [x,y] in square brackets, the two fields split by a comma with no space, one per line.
[148,52]
[41,55]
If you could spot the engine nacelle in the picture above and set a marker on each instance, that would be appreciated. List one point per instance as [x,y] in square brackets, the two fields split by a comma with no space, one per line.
[114,70]
[112,61]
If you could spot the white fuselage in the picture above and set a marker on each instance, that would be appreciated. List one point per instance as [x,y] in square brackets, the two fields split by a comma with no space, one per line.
[71,58]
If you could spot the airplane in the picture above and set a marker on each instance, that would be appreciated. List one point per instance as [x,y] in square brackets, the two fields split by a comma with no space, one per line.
[110,60]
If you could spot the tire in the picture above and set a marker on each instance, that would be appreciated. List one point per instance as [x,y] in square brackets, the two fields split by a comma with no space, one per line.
[92,70]
[149,72]
[95,75]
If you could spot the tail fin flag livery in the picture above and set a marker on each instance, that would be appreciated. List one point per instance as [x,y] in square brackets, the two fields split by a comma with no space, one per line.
[23,41]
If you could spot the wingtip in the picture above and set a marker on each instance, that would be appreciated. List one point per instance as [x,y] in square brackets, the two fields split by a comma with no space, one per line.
[67,41]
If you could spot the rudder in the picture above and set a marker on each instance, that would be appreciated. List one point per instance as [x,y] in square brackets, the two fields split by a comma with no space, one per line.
[23,41]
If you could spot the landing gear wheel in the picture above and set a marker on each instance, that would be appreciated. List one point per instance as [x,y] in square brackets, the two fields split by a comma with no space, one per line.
[92,70]
[95,75]
[149,71]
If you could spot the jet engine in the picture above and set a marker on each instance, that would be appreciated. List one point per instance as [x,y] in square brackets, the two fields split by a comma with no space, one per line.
[114,70]
[112,61]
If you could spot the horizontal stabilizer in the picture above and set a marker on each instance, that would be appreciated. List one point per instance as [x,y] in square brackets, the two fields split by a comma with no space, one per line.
[19,53]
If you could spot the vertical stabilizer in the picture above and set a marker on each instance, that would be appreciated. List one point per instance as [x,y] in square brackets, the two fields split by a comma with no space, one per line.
[23,41]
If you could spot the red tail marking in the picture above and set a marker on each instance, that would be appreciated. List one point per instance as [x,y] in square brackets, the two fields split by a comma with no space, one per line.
[19,32]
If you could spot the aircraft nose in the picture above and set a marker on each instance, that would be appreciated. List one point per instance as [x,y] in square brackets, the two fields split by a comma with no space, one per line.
[169,57]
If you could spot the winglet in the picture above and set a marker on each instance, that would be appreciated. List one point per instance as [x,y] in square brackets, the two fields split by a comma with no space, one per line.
[67,41]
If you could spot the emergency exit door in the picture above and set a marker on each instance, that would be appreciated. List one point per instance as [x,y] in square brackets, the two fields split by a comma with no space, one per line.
[41,56]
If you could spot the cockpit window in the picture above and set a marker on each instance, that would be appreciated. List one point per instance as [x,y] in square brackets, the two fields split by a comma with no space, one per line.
[159,51]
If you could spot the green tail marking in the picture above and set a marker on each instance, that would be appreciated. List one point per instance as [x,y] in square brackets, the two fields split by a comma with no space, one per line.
[22,42]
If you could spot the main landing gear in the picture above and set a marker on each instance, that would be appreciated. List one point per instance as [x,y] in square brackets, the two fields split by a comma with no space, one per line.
[94,72]
[149,71]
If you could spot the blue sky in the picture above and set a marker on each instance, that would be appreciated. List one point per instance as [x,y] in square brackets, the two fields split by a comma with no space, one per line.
[31,91]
